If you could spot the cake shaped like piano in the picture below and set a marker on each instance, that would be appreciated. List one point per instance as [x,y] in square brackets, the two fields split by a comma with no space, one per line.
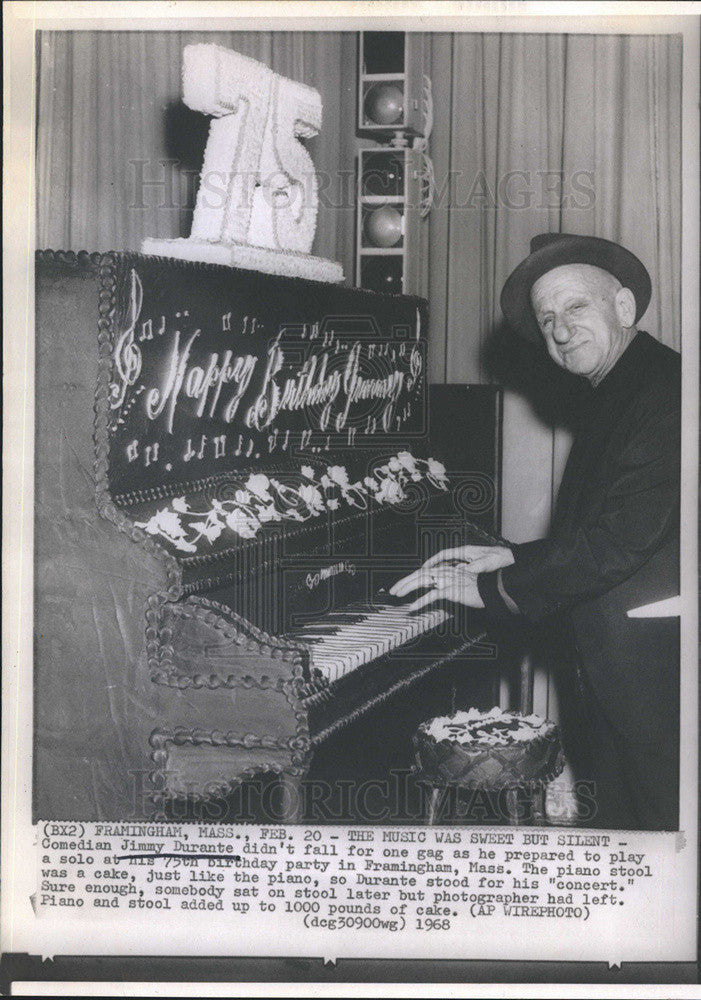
[230,466]
[489,750]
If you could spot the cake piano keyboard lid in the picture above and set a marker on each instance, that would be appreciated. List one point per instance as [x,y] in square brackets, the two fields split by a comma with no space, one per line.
[493,728]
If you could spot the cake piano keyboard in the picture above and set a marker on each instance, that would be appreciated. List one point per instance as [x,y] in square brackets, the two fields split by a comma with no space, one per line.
[342,641]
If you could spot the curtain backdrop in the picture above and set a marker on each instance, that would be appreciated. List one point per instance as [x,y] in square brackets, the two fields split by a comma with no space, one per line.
[573,133]
[532,132]
[119,154]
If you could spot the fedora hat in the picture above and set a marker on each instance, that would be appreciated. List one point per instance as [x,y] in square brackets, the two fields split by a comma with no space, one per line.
[549,250]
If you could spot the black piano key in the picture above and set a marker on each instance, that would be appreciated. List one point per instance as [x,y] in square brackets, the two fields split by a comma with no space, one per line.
[320,629]
[347,619]
[385,599]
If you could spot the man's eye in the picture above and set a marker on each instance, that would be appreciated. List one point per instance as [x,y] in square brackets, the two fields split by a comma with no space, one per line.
[576,306]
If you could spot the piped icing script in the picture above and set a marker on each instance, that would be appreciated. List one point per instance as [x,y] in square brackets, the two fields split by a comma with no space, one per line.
[200,385]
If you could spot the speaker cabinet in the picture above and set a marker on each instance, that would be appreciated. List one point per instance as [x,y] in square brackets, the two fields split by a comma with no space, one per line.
[391,68]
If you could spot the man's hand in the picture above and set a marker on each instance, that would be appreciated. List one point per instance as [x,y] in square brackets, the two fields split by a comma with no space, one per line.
[451,575]
[445,583]
[479,558]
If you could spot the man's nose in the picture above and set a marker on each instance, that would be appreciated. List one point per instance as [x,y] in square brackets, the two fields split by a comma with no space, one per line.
[561,330]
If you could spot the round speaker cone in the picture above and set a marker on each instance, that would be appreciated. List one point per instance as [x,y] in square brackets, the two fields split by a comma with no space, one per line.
[383,227]
[384,104]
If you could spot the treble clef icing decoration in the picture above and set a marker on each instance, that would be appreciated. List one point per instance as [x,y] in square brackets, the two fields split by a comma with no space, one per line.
[127,354]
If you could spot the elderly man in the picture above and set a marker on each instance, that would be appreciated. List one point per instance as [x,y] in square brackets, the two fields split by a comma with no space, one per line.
[613,545]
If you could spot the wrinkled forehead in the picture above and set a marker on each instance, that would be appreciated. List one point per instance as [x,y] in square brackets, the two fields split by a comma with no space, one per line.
[572,279]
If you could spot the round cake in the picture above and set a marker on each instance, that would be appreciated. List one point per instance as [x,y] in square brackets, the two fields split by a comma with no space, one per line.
[490,750]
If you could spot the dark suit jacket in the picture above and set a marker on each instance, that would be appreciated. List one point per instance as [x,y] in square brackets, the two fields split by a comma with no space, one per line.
[614,543]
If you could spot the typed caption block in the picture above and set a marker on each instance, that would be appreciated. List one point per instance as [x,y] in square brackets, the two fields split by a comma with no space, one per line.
[457,885]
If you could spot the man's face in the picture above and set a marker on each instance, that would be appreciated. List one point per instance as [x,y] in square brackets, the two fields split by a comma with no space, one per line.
[578,309]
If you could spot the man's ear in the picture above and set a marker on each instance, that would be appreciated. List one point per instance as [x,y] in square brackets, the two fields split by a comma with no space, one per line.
[625,307]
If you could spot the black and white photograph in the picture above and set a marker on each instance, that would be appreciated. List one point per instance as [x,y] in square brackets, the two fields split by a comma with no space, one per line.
[360,443]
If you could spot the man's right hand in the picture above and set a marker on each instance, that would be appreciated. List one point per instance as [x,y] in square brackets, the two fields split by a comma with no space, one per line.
[479,559]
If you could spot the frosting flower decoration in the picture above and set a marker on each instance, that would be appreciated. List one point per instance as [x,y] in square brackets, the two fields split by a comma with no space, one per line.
[259,484]
[337,474]
[437,474]
[167,523]
[238,522]
[269,513]
[408,462]
[262,499]
[390,491]
[313,498]
[211,529]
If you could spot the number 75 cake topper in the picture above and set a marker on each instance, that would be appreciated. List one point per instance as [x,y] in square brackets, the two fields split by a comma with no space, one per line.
[257,201]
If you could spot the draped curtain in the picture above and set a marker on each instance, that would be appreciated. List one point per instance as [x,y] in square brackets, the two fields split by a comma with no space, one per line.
[532,132]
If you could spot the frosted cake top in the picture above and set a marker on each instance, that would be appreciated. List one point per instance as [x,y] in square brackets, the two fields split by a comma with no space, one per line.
[493,728]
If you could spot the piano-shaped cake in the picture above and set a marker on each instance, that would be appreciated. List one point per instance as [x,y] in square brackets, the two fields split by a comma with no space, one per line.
[230,467]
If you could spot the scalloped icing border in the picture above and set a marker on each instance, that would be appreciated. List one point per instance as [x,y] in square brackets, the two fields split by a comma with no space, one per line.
[159,740]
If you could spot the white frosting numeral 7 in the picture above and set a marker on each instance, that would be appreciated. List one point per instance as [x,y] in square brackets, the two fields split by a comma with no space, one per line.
[258,184]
